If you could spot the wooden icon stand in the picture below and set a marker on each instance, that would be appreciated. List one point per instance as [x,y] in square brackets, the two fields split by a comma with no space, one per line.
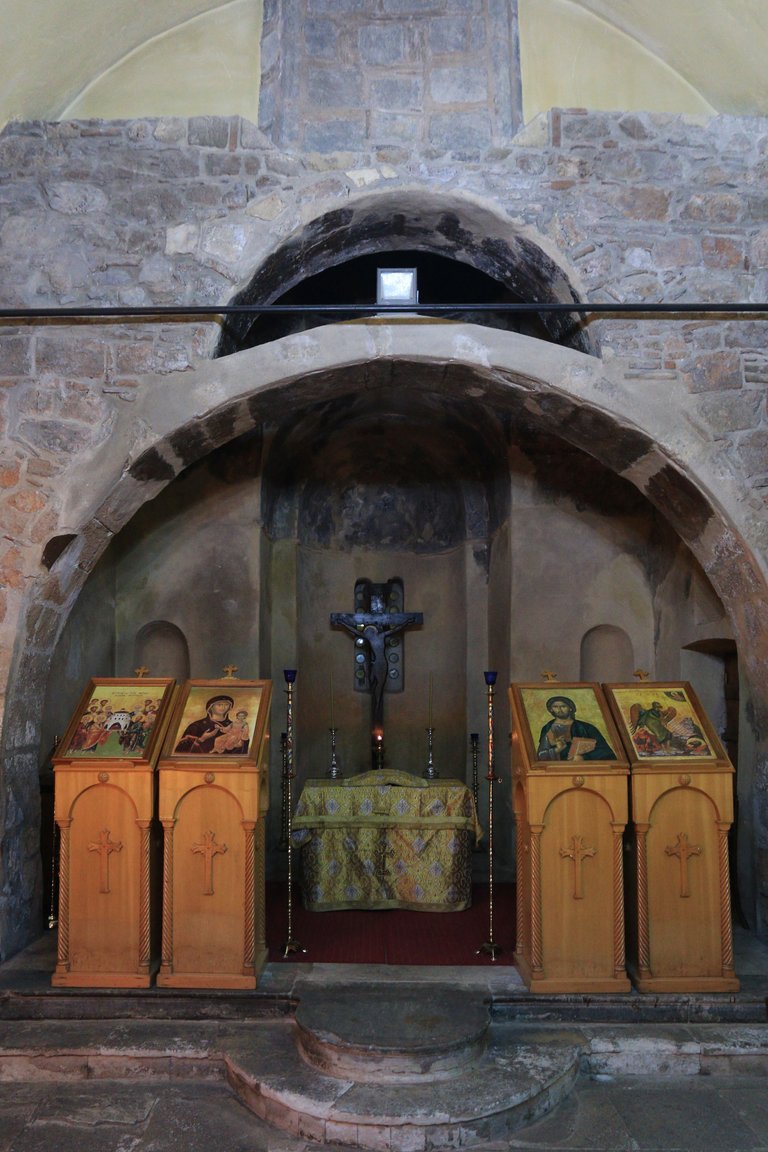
[679,905]
[104,802]
[213,799]
[570,816]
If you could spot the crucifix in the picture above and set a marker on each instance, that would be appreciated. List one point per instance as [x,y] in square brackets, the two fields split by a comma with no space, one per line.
[578,852]
[208,848]
[683,850]
[376,626]
[105,847]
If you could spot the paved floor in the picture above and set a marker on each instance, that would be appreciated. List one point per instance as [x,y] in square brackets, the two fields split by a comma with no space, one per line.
[667,1112]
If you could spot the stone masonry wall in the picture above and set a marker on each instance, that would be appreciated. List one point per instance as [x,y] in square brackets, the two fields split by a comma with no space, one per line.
[633,207]
[339,73]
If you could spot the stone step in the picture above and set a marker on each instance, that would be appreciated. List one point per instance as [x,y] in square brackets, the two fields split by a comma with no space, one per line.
[391,1037]
[522,1072]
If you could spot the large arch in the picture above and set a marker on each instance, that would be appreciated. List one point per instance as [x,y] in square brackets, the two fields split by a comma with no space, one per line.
[565,391]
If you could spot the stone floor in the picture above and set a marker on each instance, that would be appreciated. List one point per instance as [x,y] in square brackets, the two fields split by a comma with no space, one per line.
[672,1073]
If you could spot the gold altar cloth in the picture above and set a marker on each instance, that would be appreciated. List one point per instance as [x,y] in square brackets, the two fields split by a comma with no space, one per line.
[386,839]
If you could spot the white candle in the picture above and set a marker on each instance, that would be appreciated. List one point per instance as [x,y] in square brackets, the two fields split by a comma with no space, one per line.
[331,694]
[430,700]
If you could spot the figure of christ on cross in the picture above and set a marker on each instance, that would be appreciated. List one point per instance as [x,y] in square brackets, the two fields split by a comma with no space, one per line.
[374,629]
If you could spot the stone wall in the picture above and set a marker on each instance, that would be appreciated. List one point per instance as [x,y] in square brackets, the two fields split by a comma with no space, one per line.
[148,213]
[339,73]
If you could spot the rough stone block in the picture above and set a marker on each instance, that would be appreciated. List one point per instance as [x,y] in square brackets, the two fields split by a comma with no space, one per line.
[753,452]
[334,87]
[722,252]
[471,130]
[209,131]
[447,34]
[459,85]
[381,44]
[70,355]
[15,356]
[715,371]
[334,135]
[321,39]
[398,93]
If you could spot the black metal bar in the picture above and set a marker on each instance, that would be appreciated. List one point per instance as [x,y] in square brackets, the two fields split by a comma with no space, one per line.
[182,311]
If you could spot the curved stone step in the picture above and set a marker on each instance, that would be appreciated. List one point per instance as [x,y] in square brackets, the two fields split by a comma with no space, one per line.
[523,1072]
[391,1039]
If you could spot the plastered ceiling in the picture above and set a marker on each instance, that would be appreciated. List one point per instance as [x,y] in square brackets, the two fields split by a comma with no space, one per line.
[120,58]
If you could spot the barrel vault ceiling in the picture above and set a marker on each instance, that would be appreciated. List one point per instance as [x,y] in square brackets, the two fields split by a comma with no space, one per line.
[120,59]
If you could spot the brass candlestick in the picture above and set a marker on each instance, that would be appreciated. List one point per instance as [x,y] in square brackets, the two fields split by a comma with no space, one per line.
[490,946]
[283,842]
[474,741]
[291,945]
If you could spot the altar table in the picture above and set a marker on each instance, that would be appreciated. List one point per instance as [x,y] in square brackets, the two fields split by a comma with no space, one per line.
[386,839]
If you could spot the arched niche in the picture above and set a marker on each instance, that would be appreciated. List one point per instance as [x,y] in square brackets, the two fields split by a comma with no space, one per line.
[560,392]
[606,654]
[470,252]
[161,647]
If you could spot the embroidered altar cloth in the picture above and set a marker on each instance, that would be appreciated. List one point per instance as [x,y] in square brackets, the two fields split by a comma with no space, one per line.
[386,839]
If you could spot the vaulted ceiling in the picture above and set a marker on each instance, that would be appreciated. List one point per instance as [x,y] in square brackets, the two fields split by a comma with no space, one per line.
[120,58]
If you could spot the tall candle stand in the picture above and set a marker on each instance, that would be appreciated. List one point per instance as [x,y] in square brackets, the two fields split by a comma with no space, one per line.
[474,743]
[291,945]
[431,773]
[283,842]
[490,947]
[334,772]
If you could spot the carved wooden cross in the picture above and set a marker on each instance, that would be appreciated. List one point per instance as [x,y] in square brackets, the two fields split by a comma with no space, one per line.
[229,671]
[208,848]
[683,850]
[578,852]
[549,676]
[641,673]
[141,672]
[105,847]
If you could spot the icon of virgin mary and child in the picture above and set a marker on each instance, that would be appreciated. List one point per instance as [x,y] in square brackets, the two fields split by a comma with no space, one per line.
[216,732]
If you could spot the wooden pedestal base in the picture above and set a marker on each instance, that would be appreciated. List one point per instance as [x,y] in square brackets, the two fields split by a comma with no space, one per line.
[213,876]
[564,985]
[105,906]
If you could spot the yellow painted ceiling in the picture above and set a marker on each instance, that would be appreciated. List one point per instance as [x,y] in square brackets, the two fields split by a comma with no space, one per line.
[125,58]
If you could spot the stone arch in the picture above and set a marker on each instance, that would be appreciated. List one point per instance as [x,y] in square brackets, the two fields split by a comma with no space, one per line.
[464,228]
[563,390]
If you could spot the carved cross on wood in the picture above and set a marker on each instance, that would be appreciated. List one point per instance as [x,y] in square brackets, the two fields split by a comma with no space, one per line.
[208,848]
[578,852]
[549,676]
[105,847]
[141,672]
[683,850]
[229,671]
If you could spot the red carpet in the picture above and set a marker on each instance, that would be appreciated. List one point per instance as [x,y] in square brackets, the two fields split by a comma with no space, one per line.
[394,936]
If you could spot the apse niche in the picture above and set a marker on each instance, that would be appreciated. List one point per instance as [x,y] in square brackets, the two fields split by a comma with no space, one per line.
[522,553]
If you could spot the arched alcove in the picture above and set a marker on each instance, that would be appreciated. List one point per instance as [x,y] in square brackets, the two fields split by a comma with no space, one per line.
[606,655]
[162,648]
[463,252]
[248,403]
